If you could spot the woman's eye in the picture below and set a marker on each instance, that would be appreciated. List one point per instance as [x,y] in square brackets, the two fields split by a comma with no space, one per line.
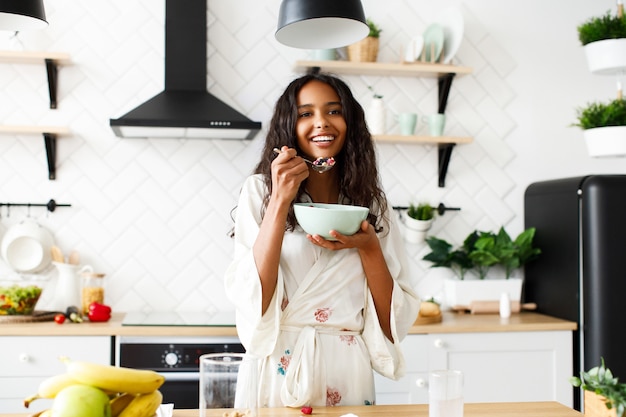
[335,111]
[305,114]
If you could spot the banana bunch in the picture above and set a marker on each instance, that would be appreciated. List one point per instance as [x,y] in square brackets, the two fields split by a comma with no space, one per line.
[128,392]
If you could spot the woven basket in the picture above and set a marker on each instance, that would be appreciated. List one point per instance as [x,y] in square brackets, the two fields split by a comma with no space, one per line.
[595,406]
[366,50]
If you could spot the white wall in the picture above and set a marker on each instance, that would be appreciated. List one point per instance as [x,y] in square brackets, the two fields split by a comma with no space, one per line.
[153,214]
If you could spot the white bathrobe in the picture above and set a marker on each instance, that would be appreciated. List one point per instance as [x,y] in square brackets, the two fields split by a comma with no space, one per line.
[320,337]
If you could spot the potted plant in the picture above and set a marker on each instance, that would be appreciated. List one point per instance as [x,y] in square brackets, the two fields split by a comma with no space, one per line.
[604,41]
[604,127]
[366,50]
[480,253]
[602,391]
[419,221]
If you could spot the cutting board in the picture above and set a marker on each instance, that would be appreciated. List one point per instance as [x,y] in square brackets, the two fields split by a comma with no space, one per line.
[37,316]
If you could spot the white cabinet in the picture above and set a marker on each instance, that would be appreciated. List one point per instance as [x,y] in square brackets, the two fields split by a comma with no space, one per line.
[497,367]
[27,360]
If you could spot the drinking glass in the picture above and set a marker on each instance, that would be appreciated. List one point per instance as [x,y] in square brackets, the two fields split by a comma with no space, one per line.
[229,380]
[445,393]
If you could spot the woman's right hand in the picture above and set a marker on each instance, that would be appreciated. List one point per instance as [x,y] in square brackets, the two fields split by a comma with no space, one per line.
[288,172]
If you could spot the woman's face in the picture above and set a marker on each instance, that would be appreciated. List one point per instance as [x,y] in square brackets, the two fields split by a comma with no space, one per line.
[321,127]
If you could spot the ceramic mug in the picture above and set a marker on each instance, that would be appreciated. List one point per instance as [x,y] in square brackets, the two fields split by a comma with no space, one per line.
[436,123]
[324,54]
[407,123]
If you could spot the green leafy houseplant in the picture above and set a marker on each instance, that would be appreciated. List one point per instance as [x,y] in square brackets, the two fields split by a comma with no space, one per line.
[601,28]
[600,380]
[482,250]
[602,114]
[374,29]
[423,211]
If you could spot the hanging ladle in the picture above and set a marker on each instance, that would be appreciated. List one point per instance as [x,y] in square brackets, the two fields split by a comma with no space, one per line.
[321,164]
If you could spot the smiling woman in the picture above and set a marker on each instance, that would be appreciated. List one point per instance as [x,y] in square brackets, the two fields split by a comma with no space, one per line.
[331,302]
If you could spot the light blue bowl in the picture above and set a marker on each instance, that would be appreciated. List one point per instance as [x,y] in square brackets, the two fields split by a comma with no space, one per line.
[320,219]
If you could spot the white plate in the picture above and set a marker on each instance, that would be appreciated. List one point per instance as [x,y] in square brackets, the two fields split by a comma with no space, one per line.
[451,19]
[414,49]
[433,35]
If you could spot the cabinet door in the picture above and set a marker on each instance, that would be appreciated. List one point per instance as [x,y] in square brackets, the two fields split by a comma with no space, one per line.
[412,388]
[26,361]
[511,366]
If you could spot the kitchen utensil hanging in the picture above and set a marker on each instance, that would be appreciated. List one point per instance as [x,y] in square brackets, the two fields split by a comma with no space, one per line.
[50,205]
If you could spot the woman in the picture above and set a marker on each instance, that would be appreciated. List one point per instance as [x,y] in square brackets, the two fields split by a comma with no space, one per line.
[320,314]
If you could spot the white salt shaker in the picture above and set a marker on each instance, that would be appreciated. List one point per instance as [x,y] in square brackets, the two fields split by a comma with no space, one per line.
[505,305]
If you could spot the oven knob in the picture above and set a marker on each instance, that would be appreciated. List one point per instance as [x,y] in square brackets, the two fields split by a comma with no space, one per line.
[171,359]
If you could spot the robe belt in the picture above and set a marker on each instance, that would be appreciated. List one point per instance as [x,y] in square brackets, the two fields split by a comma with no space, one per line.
[306,370]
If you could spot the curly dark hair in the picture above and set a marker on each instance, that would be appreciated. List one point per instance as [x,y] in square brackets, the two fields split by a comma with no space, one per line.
[356,163]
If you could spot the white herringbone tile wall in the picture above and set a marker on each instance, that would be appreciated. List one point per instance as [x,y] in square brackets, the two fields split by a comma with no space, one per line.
[154,214]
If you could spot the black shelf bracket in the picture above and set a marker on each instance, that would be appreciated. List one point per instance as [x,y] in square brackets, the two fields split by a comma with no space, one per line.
[444,84]
[52,69]
[444,154]
[50,140]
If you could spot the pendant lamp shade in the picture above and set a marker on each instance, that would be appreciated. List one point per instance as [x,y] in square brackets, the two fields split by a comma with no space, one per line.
[18,15]
[321,24]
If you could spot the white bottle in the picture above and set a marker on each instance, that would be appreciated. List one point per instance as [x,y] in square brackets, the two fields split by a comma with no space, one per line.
[505,305]
[376,120]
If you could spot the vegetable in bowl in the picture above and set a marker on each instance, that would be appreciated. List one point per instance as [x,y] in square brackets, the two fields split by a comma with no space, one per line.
[18,299]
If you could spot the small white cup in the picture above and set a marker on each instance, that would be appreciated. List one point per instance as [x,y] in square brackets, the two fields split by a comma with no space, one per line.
[407,122]
[445,393]
[436,123]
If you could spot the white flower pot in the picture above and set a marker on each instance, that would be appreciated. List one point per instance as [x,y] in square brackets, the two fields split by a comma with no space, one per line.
[415,231]
[606,57]
[606,141]
[462,292]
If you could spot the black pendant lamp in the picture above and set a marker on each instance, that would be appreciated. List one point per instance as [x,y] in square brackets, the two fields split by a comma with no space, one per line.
[18,15]
[321,24]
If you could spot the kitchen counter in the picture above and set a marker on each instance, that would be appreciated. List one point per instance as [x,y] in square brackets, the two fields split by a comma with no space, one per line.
[525,409]
[451,323]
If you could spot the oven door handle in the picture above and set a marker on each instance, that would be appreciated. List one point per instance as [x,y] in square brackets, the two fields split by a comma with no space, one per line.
[181,376]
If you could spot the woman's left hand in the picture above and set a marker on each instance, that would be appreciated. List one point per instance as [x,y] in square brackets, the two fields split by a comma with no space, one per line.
[365,238]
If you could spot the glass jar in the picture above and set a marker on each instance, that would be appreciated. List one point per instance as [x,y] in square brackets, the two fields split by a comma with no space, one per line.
[93,290]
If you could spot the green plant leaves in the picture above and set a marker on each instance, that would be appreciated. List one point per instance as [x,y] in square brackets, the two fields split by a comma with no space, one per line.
[601,381]
[482,250]
[423,211]
[599,114]
[601,28]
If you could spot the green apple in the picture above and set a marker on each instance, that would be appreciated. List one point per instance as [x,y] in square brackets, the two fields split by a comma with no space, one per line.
[81,401]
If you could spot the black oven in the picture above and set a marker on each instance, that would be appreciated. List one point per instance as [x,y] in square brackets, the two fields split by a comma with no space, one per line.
[176,358]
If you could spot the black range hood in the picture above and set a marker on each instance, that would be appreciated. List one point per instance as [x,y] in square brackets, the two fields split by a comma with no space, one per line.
[185,109]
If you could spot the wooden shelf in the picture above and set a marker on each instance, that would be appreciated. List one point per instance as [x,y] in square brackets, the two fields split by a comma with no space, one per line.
[417,69]
[52,60]
[34,57]
[426,140]
[50,134]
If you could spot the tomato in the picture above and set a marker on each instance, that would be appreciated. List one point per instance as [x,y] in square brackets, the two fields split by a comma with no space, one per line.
[59,318]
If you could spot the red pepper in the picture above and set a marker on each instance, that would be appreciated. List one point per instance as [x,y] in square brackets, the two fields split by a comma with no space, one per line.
[99,312]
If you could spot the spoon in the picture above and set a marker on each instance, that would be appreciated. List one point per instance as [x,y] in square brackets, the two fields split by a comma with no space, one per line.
[321,164]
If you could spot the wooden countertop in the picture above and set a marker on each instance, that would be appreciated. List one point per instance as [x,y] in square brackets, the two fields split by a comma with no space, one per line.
[451,323]
[524,409]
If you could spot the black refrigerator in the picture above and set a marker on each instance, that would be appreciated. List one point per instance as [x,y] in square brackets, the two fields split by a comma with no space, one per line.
[581,272]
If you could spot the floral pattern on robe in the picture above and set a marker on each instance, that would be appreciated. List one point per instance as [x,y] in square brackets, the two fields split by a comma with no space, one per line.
[320,338]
